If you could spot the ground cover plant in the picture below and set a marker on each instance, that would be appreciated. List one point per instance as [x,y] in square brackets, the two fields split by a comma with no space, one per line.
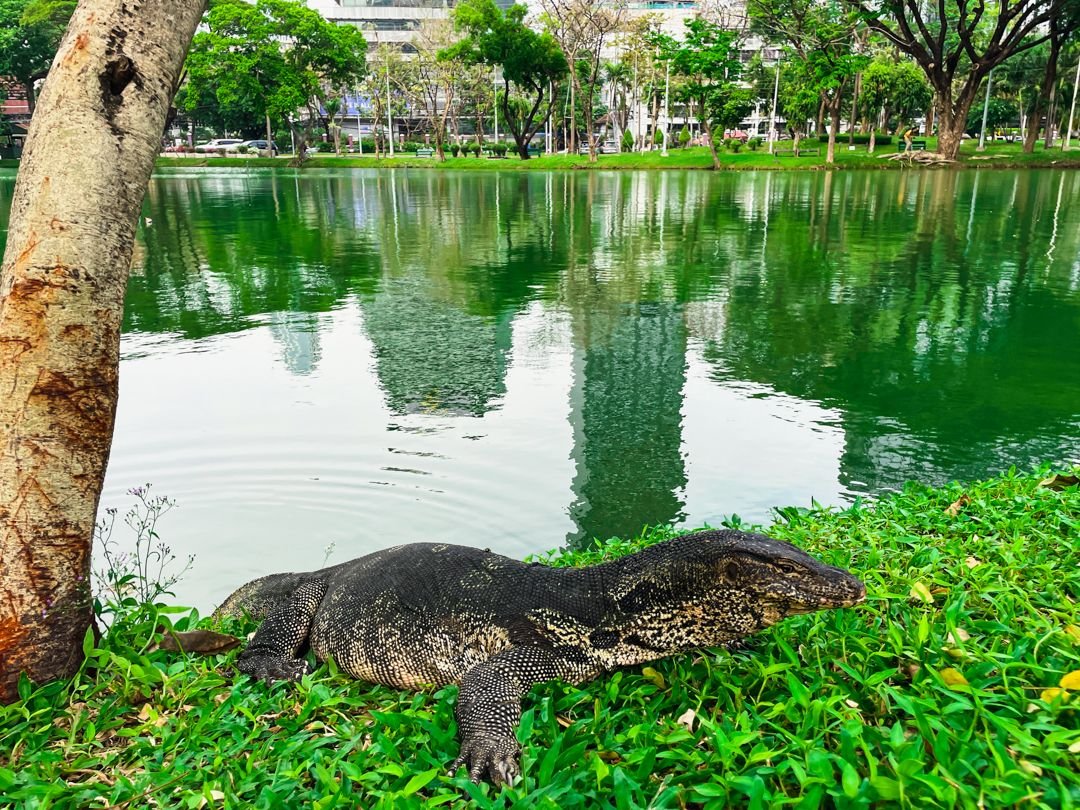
[957,684]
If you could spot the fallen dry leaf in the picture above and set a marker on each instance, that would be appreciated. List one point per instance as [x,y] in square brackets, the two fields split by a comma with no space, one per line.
[972,562]
[687,719]
[953,509]
[204,642]
[921,592]
[1059,481]
[958,635]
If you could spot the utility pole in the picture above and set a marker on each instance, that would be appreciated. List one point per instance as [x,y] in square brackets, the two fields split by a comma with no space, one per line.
[772,115]
[1066,144]
[986,109]
[667,113]
[389,120]
[495,106]
[548,142]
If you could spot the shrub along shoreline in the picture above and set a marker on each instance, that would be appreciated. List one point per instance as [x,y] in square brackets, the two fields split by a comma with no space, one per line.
[957,684]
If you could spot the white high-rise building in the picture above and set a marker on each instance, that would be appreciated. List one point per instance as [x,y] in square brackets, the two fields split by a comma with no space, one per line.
[387,21]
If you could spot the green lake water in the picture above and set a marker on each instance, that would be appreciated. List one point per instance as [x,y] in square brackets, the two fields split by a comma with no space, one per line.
[522,360]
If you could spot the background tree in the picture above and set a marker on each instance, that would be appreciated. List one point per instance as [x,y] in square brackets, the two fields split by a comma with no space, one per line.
[891,87]
[583,29]
[823,37]
[530,62]
[30,32]
[618,76]
[89,154]
[640,50]
[707,60]
[274,60]
[957,44]
[438,68]
[477,96]
[1000,113]
[799,98]
[384,66]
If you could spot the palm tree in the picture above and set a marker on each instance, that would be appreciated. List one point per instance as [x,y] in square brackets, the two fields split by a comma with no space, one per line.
[618,76]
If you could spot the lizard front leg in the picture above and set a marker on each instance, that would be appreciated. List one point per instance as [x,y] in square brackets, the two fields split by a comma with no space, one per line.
[489,708]
[272,654]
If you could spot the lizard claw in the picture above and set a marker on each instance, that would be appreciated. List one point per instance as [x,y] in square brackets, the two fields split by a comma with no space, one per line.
[495,760]
[270,669]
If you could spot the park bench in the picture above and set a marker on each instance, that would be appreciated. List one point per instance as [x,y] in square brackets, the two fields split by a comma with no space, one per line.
[425,151]
[918,145]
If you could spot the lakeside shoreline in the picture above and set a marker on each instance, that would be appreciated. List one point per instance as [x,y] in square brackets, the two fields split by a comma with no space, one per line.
[996,156]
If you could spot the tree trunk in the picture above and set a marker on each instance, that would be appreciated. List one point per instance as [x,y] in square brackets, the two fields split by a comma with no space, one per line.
[31,102]
[1046,95]
[712,142]
[834,125]
[84,172]
[854,108]
[1031,134]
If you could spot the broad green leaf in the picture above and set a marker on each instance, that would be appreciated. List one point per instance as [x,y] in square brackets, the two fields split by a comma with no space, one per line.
[419,781]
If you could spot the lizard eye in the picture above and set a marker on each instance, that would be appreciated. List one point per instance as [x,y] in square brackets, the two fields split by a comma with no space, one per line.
[787,566]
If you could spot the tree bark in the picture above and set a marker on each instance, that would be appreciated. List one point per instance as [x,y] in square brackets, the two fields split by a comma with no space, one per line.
[84,172]
[1046,94]
[834,125]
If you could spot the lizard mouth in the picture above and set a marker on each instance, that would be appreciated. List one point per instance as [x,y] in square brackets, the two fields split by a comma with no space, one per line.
[855,600]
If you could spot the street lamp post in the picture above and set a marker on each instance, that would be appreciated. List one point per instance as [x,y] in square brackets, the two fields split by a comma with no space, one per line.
[667,112]
[772,114]
[389,120]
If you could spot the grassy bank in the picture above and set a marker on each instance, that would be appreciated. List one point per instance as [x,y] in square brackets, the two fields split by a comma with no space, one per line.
[943,690]
[1003,155]
[997,155]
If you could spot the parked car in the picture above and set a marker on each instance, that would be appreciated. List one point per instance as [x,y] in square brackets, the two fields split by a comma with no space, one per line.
[219,144]
[260,145]
[605,148]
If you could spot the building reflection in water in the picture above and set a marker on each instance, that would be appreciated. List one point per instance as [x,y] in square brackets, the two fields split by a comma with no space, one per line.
[927,314]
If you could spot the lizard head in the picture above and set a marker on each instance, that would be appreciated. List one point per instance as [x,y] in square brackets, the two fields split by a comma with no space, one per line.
[780,578]
[714,587]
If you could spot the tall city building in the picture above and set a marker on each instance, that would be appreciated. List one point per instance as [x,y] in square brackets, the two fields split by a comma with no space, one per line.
[388,21]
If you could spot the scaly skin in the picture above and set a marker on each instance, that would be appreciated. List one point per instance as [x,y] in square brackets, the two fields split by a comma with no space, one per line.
[438,614]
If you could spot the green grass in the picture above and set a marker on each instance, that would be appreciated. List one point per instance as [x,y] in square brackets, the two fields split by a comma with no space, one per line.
[1003,155]
[931,695]
[997,155]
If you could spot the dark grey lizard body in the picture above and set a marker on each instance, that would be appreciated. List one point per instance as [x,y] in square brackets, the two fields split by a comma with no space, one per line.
[438,614]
